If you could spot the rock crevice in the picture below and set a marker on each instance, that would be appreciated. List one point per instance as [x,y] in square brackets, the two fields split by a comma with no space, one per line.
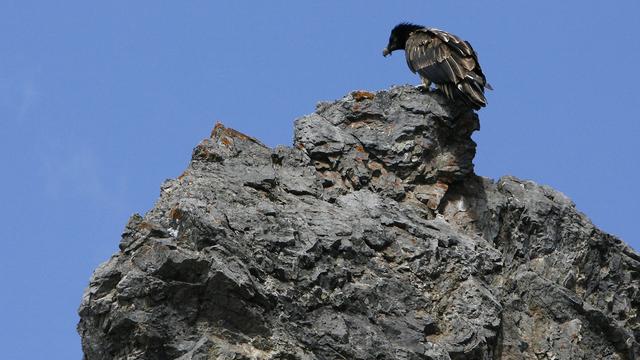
[370,238]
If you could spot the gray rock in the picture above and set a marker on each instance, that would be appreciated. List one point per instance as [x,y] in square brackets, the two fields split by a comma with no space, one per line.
[370,238]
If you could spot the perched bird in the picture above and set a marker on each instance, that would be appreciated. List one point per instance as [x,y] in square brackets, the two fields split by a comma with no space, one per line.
[443,59]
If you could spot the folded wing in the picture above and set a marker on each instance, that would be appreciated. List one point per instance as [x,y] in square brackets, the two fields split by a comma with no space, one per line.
[449,62]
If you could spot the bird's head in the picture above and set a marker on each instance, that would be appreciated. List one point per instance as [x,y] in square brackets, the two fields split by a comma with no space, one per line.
[399,36]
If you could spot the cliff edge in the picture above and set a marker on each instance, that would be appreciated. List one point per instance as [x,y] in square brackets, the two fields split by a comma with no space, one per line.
[370,238]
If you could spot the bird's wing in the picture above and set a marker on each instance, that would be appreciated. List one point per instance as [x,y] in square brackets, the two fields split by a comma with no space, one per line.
[464,55]
[446,60]
[441,56]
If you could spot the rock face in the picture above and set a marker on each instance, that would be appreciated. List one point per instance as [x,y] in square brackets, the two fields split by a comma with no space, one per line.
[370,238]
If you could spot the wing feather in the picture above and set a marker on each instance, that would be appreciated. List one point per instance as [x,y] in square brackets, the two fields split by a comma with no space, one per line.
[449,61]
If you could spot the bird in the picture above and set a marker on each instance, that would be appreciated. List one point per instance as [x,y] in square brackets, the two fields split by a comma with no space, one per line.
[443,59]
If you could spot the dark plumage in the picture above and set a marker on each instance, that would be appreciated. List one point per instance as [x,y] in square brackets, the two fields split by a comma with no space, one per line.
[442,58]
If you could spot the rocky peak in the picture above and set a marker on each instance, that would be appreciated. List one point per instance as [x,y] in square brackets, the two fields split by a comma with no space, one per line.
[399,143]
[370,238]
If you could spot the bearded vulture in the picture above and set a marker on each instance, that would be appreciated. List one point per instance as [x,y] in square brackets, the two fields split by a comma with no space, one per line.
[443,59]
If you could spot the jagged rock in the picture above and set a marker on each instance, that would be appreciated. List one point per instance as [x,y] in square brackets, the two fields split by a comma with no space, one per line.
[370,238]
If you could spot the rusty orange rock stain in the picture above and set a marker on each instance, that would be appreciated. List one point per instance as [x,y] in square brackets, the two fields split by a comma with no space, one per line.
[225,141]
[175,214]
[362,95]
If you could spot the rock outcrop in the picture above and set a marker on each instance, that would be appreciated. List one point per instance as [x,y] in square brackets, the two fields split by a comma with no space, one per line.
[370,238]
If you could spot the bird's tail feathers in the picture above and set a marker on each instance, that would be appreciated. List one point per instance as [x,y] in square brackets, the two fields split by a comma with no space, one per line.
[478,80]
[473,94]
[468,91]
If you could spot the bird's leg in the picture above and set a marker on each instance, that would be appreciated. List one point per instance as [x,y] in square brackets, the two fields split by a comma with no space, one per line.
[426,84]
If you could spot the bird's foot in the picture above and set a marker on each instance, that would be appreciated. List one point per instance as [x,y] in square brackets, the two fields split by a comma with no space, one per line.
[422,88]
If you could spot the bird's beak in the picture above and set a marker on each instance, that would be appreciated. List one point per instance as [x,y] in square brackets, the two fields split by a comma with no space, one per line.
[386,52]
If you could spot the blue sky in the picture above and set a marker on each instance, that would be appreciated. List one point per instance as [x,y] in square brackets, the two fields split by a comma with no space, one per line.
[102,101]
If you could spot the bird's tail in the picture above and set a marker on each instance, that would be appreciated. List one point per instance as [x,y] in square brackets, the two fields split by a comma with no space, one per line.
[468,90]
[474,93]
